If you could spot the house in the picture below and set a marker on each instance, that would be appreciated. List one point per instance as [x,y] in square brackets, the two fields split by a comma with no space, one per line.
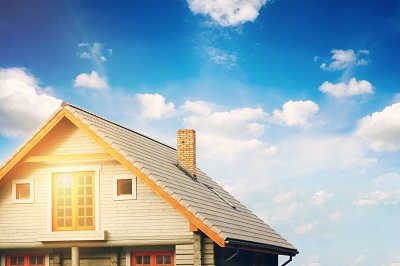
[83,190]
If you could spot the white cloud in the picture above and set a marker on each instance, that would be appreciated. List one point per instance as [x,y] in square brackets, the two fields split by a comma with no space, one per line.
[285,197]
[378,197]
[154,106]
[342,89]
[306,228]
[227,13]
[320,197]
[295,113]
[197,107]
[306,155]
[381,129]
[91,81]
[221,57]
[217,146]
[94,52]
[237,123]
[343,59]
[22,105]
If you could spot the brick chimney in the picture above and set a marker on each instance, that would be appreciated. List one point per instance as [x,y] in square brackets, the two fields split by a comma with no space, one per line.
[186,155]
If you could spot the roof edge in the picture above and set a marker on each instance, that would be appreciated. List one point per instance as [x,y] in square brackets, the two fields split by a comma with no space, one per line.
[277,249]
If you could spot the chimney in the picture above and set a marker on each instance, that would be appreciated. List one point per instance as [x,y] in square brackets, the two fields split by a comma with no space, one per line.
[186,155]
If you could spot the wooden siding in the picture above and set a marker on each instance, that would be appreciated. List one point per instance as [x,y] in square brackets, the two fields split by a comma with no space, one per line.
[145,220]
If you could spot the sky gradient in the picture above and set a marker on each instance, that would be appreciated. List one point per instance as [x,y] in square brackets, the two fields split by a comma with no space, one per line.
[296,104]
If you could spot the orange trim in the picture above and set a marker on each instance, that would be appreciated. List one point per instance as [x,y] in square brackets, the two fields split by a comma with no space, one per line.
[193,228]
[32,142]
[168,198]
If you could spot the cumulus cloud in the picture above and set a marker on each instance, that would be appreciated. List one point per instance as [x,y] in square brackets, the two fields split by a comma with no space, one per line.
[306,228]
[221,58]
[93,52]
[342,89]
[381,130]
[378,197]
[23,106]
[219,146]
[295,113]
[320,197]
[285,197]
[343,59]
[238,123]
[154,106]
[91,81]
[227,13]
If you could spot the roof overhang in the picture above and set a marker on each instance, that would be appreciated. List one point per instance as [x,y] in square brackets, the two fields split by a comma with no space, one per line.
[258,247]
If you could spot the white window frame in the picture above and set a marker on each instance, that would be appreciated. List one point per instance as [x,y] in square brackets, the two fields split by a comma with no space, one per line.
[71,169]
[14,190]
[115,187]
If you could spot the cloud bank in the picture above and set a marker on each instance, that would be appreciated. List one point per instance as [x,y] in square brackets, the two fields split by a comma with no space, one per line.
[381,130]
[23,103]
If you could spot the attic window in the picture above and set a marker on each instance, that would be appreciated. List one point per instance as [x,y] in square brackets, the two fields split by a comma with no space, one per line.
[124,187]
[22,191]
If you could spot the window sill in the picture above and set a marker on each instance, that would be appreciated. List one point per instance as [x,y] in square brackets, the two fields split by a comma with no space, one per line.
[72,236]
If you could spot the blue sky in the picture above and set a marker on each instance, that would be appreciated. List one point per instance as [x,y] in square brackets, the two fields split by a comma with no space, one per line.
[296,103]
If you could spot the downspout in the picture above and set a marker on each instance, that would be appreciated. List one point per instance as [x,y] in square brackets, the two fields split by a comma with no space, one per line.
[234,255]
[290,259]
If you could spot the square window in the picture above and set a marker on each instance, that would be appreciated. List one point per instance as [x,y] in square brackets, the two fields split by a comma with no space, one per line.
[124,187]
[22,191]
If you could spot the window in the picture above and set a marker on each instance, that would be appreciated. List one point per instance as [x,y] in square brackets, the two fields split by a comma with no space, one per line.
[124,187]
[152,259]
[25,260]
[22,191]
[73,201]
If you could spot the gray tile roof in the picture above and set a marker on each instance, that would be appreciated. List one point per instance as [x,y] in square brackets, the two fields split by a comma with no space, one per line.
[158,162]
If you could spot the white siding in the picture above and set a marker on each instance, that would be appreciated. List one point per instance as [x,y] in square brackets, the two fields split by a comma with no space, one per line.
[143,220]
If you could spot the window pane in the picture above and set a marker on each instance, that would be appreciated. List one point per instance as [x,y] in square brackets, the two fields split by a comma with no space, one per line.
[89,211]
[139,259]
[89,221]
[23,191]
[40,260]
[147,260]
[167,259]
[32,260]
[13,261]
[20,261]
[159,259]
[124,187]
[81,222]
[68,222]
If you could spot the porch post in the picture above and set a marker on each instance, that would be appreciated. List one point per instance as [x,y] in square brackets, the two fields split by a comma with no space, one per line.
[75,256]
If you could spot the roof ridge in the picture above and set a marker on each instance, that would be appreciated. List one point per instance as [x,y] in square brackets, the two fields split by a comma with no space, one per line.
[65,104]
